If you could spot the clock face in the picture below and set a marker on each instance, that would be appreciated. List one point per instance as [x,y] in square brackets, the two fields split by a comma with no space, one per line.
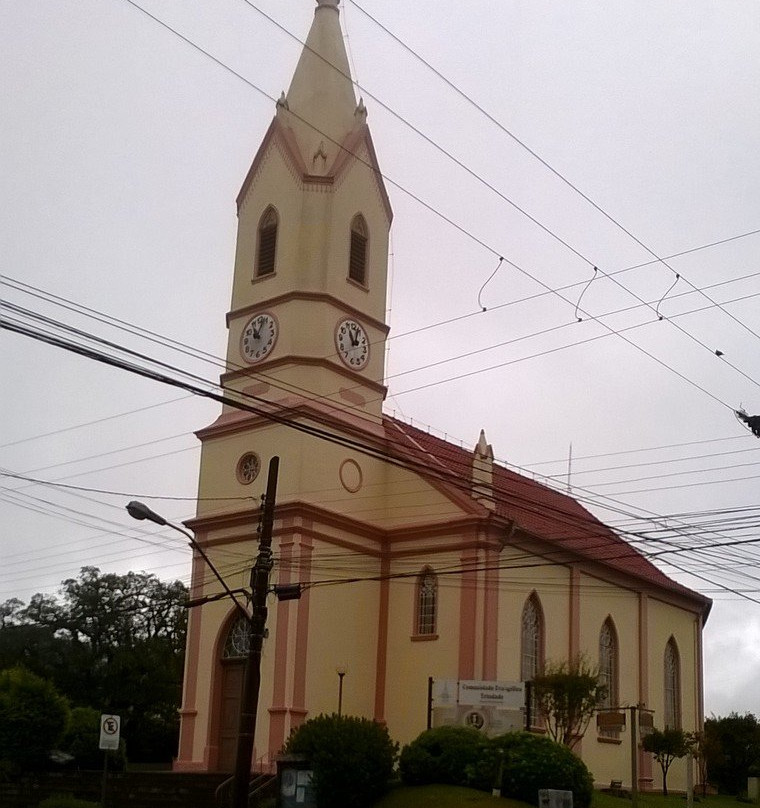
[352,343]
[259,337]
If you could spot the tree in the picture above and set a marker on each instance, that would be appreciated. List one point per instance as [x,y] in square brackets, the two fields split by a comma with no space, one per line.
[33,718]
[567,694]
[111,642]
[732,750]
[666,745]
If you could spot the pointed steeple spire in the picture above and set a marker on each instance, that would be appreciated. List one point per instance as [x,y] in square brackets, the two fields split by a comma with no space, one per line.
[321,96]
[482,471]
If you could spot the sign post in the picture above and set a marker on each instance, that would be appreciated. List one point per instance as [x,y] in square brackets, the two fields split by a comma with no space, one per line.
[110,729]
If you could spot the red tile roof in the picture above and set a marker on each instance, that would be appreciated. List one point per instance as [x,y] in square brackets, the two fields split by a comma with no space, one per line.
[538,510]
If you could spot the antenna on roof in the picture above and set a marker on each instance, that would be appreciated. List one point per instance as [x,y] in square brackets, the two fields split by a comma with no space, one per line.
[569,468]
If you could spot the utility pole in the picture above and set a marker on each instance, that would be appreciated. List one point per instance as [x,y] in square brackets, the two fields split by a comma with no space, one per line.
[634,758]
[252,677]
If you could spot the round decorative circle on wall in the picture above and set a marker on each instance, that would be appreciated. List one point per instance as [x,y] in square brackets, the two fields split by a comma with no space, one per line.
[350,475]
[248,468]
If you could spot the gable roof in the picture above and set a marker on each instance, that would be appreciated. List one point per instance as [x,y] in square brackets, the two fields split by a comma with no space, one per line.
[562,522]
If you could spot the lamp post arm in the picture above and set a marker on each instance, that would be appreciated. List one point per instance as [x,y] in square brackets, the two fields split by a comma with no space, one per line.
[202,553]
[138,510]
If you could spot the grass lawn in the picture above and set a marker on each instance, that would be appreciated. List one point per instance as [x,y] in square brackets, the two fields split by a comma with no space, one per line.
[649,800]
[442,797]
[455,796]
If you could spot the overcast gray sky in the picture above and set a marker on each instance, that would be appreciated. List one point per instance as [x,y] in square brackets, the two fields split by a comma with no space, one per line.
[122,149]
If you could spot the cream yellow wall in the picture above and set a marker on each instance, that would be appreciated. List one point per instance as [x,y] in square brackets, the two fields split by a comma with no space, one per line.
[600,599]
[520,577]
[310,471]
[412,662]
[666,621]
[313,238]
[343,632]
[276,184]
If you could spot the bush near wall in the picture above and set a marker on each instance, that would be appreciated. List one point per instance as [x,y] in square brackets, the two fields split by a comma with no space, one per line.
[532,762]
[463,756]
[442,755]
[352,759]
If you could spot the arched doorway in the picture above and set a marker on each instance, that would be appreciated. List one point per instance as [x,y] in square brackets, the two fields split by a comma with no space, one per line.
[232,662]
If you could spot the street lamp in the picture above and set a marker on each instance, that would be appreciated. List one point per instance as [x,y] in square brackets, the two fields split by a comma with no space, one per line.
[341,671]
[140,511]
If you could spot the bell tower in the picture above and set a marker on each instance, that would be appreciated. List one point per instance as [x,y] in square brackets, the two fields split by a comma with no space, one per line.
[307,319]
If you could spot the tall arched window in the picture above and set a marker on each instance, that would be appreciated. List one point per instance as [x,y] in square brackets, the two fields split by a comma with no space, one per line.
[532,648]
[672,690]
[427,603]
[608,668]
[357,261]
[266,247]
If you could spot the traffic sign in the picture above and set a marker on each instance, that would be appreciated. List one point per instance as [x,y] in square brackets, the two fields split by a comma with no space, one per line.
[110,727]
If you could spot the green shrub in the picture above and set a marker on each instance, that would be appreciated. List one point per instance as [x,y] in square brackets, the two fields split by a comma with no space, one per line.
[67,801]
[33,717]
[442,755]
[82,740]
[352,759]
[532,762]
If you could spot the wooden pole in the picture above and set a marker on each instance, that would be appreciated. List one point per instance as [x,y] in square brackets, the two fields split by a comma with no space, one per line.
[252,677]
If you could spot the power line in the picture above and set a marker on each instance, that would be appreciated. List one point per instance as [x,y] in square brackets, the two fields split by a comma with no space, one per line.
[547,165]
[445,218]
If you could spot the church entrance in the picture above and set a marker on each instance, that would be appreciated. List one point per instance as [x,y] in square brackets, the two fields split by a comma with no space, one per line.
[232,662]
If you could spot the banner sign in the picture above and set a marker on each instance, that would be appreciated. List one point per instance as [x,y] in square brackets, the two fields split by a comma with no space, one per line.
[491,707]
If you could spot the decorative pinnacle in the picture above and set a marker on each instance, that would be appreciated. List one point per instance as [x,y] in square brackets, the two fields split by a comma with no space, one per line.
[330,3]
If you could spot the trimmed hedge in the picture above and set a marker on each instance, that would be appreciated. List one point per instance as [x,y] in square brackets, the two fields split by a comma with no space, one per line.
[463,756]
[352,759]
[442,755]
[532,762]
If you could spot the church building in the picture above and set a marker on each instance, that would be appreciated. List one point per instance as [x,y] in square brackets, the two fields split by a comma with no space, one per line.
[417,558]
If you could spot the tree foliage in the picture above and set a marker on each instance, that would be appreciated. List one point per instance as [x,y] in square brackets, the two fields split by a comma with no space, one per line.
[732,750]
[567,695]
[666,746]
[111,642]
[33,718]
[352,758]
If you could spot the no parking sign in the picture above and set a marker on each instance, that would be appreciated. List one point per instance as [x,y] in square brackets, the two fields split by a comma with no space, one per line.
[110,726]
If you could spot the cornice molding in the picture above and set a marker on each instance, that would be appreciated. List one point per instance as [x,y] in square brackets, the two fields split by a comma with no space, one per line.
[357,380]
[311,297]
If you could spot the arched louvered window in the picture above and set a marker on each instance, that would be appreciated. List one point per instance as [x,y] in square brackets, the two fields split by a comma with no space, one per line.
[357,262]
[672,670]
[266,248]
[532,648]
[609,668]
[427,603]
